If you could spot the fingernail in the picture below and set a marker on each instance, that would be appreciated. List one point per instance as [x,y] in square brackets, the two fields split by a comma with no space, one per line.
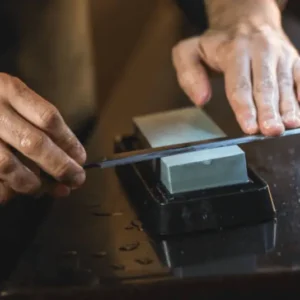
[78,179]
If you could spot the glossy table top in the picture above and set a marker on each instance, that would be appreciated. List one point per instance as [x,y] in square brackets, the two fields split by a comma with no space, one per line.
[93,243]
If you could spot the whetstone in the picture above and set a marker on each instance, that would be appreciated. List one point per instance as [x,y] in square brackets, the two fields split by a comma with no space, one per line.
[197,170]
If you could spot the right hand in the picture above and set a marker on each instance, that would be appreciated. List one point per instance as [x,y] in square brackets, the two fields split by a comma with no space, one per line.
[34,128]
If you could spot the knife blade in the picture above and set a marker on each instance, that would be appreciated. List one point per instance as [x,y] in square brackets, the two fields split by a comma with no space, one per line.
[136,156]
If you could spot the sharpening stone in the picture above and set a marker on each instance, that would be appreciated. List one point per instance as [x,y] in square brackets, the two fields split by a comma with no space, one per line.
[195,170]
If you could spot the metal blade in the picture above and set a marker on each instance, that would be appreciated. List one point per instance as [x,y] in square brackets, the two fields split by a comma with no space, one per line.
[160,152]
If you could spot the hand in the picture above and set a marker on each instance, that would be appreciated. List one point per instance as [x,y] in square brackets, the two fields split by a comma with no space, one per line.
[260,66]
[34,129]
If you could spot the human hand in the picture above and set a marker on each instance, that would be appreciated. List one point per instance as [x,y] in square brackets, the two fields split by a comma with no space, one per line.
[40,140]
[261,68]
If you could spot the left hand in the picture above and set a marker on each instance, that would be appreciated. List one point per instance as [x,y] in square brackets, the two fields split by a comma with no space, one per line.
[261,69]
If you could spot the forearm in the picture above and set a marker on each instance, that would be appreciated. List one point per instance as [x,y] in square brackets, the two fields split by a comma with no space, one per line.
[225,13]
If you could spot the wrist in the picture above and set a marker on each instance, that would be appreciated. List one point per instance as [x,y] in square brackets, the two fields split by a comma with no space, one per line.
[224,14]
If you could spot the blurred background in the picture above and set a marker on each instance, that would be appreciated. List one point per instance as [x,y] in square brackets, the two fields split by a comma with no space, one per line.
[78,54]
[90,56]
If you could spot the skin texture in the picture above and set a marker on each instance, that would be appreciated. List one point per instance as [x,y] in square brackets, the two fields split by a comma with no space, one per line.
[245,42]
[35,138]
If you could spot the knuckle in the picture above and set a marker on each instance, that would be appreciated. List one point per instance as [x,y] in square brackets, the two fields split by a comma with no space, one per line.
[242,86]
[268,113]
[186,47]
[250,114]
[265,42]
[238,45]
[266,85]
[243,108]
[285,79]
[234,52]
[49,118]
[62,170]
[240,94]
[19,87]
[33,143]
[7,163]
[71,143]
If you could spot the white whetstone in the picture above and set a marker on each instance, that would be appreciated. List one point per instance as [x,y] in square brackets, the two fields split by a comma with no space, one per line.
[195,170]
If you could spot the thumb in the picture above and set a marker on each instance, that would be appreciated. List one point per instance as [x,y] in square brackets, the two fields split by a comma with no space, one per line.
[191,74]
[211,48]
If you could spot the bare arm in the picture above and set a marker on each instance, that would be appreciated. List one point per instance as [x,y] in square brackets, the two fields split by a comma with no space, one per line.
[225,13]
[246,42]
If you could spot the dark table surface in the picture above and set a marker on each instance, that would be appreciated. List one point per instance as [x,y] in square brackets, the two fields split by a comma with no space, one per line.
[91,244]
[86,246]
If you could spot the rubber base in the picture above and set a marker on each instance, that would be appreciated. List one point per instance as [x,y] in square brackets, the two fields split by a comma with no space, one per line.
[167,214]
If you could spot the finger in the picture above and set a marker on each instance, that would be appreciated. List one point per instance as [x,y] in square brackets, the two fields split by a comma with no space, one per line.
[32,166]
[45,186]
[212,49]
[45,116]
[20,178]
[191,75]
[289,107]
[296,75]
[6,193]
[266,95]
[60,191]
[239,90]
[35,145]
[55,189]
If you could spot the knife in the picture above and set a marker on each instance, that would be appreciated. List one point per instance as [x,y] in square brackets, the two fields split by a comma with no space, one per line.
[136,156]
